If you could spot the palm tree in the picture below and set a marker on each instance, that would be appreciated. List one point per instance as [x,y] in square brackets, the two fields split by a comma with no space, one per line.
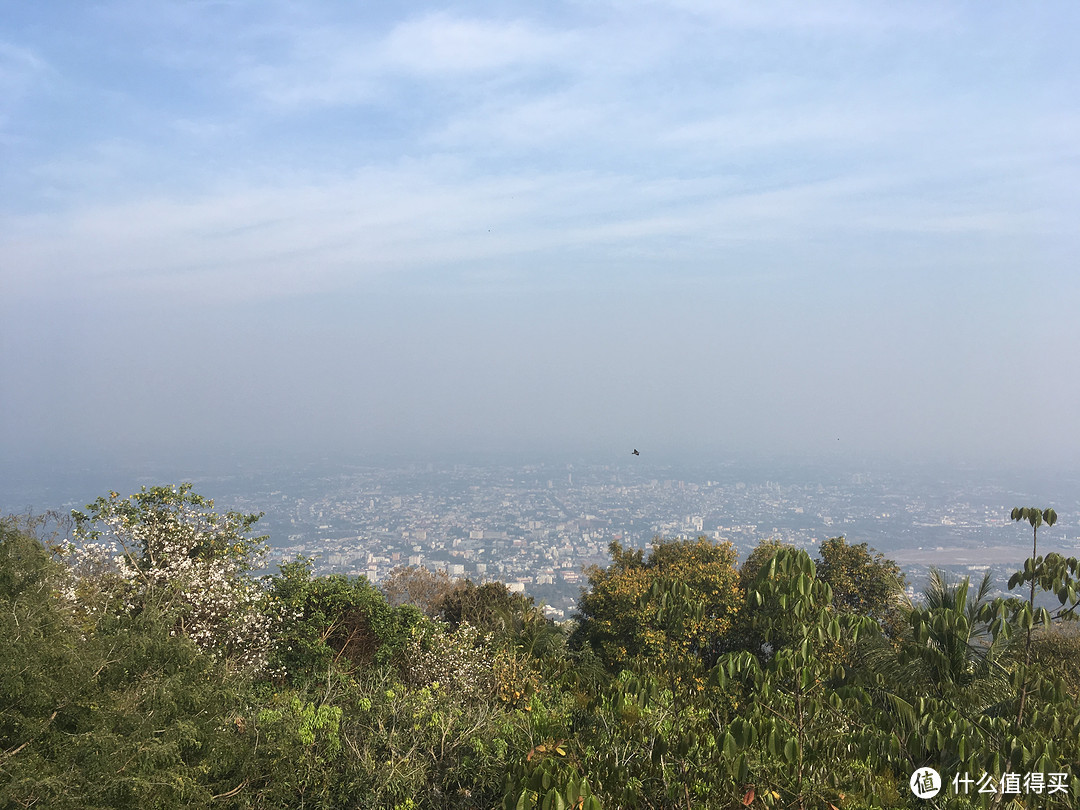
[946,648]
[951,644]
[524,629]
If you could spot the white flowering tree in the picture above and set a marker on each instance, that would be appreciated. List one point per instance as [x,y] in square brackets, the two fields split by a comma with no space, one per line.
[166,548]
[462,660]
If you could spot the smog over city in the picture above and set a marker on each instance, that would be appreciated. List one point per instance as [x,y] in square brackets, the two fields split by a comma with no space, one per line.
[840,236]
[845,231]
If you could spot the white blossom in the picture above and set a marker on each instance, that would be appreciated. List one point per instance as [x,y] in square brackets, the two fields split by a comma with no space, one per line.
[463,660]
[167,548]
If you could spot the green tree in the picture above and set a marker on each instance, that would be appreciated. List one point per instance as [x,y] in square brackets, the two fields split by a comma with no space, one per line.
[1035,517]
[799,724]
[746,634]
[619,620]
[489,606]
[117,713]
[301,760]
[1056,649]
[762,553]
[333,622]
[863,582]
[44,668]
[951,648]
[943,695]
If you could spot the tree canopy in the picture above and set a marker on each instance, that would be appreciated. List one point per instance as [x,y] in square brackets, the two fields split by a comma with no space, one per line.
[618,616]
[144,663]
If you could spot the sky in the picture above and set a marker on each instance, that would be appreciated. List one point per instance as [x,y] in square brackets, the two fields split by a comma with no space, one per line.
[842,229]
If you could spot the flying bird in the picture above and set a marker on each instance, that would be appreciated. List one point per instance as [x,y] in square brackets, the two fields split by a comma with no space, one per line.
[635,453]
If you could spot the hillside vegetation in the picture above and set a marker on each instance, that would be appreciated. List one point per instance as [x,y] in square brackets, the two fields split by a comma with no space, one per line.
[144,664]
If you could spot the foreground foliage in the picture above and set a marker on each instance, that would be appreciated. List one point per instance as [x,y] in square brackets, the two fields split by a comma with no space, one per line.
[143,664]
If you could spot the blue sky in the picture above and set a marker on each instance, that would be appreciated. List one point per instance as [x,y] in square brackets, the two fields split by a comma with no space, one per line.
[692,227]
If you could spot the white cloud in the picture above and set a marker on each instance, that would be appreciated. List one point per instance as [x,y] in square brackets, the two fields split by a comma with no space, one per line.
[323,65]
[21,72]
[252,243]
[613,138]
[439,44]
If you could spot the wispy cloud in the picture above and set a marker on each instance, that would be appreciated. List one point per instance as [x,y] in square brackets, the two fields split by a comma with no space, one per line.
[253,243]
[331,65]
[388,144]
[21,71]
[442,45]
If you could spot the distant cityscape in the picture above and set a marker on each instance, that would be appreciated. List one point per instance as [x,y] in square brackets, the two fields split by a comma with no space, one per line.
[538,527]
